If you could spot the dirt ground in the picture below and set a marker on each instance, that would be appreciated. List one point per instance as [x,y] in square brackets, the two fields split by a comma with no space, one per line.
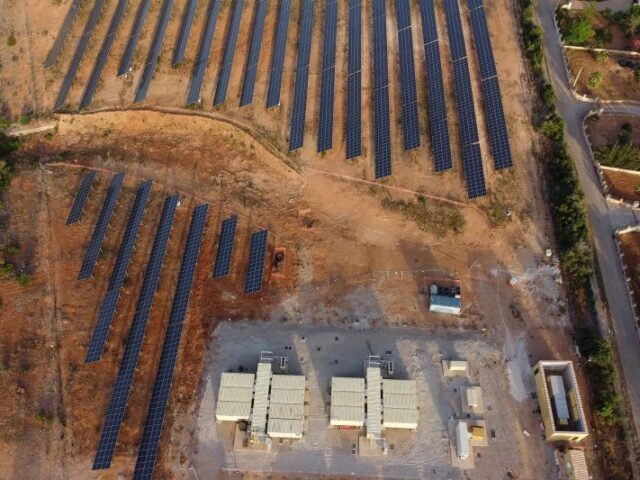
[630,247]
[622,185]
[618,82]
[338,237]
[604,129]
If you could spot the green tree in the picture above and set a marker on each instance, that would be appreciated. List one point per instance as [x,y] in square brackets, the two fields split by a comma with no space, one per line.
[579,31]
[595,80]
[601,56]
[631,20]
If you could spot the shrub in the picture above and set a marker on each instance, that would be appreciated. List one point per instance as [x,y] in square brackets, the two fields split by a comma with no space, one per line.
[25,119]
[553,127]
[548,96]
[619,155]
[578,31]
[603,36]
[601,56]
[624,135]
[595,80]
[430,217]
[11,41]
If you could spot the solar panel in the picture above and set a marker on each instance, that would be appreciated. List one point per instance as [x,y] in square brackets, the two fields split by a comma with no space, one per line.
[382,132]
[100,229]
[496,124]
[185,29]
[134,37]
[122,386]
[54,53]
[354,115]
[103,54]
[473,4]
[81,197]
[83,43]
[429,25]
[254,53]
[410,121]
[203,53]
[118,275]
[465,104]
[224,255]
[473,173]
[454,30]
[255,265]
[327,82]
[438,123]
[484,52]
[229,52]
[279,50]
[154,51]
[162,384]
[354,82]
[382,128]
[298,114]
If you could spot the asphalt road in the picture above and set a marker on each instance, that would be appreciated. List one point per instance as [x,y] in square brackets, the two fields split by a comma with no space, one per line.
[574,112]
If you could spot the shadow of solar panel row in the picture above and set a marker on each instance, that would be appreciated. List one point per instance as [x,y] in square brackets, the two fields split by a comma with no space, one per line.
[83,43]
[100,229]
[80,199]
[154,51]
[224,254]
[103,54]
[122,386]
[429,25]
[255,264]
[438,123]
[473,173]
[229,53]
[496,124]
[134,37]
[410,121]
[354,82]
[482,41]
[185,30]
[465,104]
[118,275]
[254,53]
[454,30]
[203,53]
[327,81]
[279,50]
[58,43]
[299,110]
[148,451]
[382,128]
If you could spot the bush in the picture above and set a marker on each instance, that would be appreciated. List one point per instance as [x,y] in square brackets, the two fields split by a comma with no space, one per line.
[553,127]
[601,56]
[548,96]
[25,120]
[619,155]
[11,41]
[603,36]
[532,38]
[578,31]
[624,135]
[595,80]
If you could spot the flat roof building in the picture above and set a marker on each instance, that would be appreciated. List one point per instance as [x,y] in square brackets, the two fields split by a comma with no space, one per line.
[272,403]
[374,402]
[560,401]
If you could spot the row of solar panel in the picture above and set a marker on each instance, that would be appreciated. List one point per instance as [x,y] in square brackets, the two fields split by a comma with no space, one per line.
[327,81]
[354,82]
[253,283]
[410,122]
[382,128]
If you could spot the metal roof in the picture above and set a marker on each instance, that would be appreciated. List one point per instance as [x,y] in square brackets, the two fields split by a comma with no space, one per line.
[233,411]
[579,465]
[261,400]
[245,380]
[403,387]
[287,382]
[234,397]
[350,399]
[374,407]
[285,428]
[347,384]
[347,415]
[400,418]
[399,401]
[290,411]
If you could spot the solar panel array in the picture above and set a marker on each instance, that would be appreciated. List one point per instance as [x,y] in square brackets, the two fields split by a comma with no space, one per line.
[185,29]
[382,128]
[225,247]
[436,101]
[162,384]
[103,54]
[254,53]
[354,81]
[118,275]
[83,43]
[134,37]
[229,52]
[54,53]
[100,229]
[279,50]
[122,386]
[327,82]
[81,197]
[410,122]
[299,112]
[493,109]
[203,53]
[154,51]
[471,156]
[255,264]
